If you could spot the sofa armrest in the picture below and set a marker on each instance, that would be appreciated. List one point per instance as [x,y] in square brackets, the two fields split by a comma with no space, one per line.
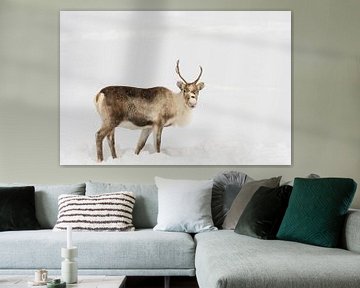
[351,234]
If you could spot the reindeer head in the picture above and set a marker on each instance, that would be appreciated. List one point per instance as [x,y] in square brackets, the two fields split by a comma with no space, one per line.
[190,91]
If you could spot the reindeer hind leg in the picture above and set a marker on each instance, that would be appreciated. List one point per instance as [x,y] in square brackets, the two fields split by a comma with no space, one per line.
[100,135]
[142,140]
[111,142]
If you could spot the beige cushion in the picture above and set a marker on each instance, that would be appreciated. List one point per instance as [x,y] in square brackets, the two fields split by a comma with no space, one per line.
[105,212]
[243,198]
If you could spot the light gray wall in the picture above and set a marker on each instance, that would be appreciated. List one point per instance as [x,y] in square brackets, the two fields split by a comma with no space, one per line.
[325,103]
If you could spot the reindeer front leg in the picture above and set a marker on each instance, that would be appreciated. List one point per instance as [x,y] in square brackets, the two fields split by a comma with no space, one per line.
[142,140]
[157,129]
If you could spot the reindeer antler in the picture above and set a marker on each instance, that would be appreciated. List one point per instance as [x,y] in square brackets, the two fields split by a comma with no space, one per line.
[197,79]
[177,69]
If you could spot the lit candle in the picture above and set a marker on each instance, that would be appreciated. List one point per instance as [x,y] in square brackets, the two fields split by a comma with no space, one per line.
[69,237]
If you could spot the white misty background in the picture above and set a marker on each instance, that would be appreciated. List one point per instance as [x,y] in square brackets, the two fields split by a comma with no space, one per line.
[243,115]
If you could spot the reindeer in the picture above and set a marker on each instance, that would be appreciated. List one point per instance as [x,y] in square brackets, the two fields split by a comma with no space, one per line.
[149,109]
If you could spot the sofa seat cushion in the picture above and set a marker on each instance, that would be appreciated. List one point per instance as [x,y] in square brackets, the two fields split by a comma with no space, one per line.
[142,249]
[226,259]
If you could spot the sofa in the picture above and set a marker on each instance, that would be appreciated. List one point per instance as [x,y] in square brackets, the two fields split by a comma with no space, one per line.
[219,258]
[225,259]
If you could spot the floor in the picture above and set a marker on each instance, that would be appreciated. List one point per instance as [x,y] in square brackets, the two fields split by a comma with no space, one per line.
[158,282]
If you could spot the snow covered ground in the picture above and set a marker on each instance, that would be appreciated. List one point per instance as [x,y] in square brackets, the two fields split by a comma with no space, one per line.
[244,112]
[217,135]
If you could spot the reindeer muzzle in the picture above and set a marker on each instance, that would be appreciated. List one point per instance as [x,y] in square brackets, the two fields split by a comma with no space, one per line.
[192,102]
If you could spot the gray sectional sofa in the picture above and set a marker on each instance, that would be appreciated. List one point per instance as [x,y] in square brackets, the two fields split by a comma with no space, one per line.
[218,258]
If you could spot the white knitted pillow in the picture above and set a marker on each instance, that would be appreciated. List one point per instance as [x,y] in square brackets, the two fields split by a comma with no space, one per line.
[105,212]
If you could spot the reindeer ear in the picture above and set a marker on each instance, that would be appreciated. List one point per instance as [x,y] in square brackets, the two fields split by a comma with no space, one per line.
[181,85]
[200,85]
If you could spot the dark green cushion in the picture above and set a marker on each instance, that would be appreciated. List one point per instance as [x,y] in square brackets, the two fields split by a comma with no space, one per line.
[316,211]
[17,208]
[263,214]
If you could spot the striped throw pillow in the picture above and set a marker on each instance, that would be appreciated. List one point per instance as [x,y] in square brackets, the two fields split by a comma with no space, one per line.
[105,212]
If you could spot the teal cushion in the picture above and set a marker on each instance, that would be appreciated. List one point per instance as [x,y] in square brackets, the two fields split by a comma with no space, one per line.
[316,211]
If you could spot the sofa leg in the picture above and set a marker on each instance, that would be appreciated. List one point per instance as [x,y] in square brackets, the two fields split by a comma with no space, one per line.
[167,282]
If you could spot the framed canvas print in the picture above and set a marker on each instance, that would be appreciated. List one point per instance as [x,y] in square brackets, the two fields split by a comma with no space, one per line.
[175,88]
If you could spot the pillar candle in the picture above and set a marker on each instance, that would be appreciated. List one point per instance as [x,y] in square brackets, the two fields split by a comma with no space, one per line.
[69,237]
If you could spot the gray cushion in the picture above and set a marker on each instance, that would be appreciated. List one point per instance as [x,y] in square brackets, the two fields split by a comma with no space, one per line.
[144,249]
[310,176]
[243,198]
[225,189]
[146,204]
[226,259]
[46,200]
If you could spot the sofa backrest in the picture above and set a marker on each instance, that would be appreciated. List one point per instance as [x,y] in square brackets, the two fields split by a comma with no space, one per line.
[146,203]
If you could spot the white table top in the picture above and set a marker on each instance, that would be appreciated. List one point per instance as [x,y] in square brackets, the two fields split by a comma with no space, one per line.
[84,281]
